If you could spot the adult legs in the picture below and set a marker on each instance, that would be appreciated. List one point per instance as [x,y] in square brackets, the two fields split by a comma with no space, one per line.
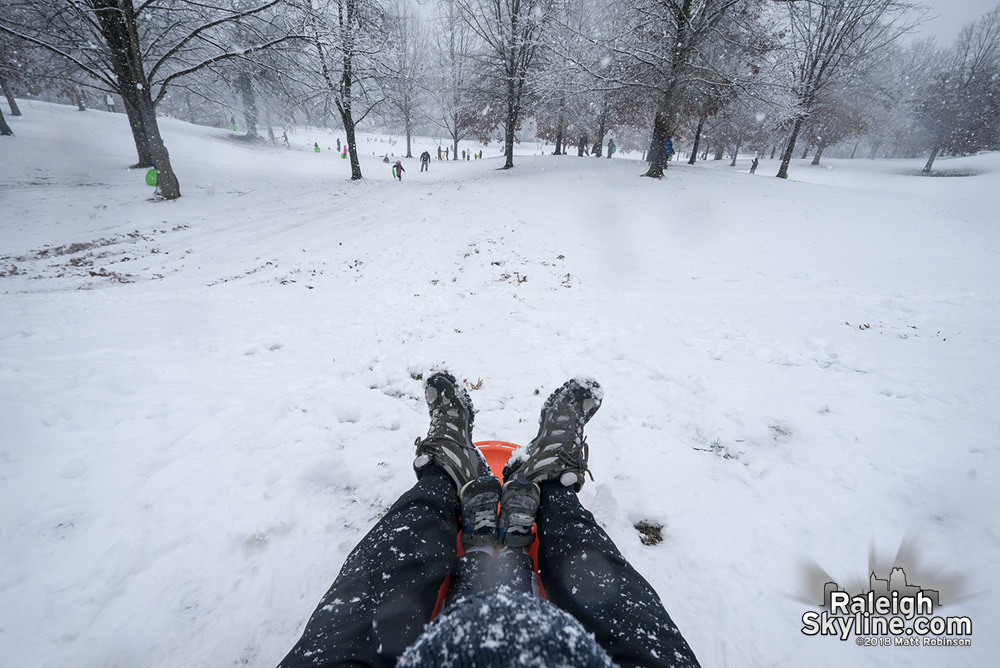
[584,574]
[386,591]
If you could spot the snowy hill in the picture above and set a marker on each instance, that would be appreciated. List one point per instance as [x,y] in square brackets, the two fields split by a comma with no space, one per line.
[205,403]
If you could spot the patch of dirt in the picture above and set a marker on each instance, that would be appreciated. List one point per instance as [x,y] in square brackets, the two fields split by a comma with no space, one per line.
[81,258]
[650,533]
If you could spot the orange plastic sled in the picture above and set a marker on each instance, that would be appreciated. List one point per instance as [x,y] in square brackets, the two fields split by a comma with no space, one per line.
[497,453]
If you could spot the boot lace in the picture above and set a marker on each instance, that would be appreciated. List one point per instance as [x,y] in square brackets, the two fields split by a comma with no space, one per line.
[575,459]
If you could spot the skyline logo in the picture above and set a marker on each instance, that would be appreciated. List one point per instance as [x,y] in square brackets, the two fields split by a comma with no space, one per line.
[890,612]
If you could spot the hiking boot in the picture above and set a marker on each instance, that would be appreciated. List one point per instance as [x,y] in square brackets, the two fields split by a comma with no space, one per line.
[559,451]
[449,439]
[518,507]
[480,498]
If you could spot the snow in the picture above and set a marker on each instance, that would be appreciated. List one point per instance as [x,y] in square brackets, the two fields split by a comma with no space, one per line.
[205,403]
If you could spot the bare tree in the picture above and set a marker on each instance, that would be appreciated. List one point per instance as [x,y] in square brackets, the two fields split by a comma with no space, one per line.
[451,81]
[136,52]
[672,33]
[511,32]
[583,90]
[349,37]
[961,107]
[12,62]
[887,100]
[735,81]
[840,113]
[406,68]
[562,85]
[828,38]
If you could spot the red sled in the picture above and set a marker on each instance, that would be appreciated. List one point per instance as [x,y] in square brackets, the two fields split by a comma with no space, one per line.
[497,453]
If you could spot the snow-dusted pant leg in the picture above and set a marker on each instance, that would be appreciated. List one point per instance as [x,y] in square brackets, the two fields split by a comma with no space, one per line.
[386,591]
[584,574]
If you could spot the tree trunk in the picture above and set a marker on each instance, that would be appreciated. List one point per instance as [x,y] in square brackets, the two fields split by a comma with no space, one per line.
[9,94]
[190,109]
[118,27]
[658,145]
[875,147]
[508,144]
[560,149]
[167,184]
[341,93]
[930,161]
[819,153]
[720,151]
[805,153]
[409,137]
[245,87]
[786,157]
[774,149]
[509,123]
[145,155]
[347,118]
[352,148]
[697,139]
[5,130]
[81,104]
[855,150]
[736,152]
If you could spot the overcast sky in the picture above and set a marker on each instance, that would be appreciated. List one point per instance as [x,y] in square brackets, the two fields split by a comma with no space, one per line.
[951,15]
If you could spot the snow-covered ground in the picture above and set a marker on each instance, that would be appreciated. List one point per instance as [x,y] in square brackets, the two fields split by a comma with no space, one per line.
[205,403]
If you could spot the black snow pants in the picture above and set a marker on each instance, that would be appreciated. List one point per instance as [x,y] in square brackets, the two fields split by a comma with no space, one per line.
[387,589]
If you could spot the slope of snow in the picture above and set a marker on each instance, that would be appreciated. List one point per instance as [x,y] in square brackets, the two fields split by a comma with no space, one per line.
[205,403]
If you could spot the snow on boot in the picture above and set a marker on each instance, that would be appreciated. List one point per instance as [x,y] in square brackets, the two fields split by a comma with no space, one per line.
[559,451]
[449,439]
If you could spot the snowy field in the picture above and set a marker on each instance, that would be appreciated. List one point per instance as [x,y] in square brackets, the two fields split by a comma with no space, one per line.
[205,403]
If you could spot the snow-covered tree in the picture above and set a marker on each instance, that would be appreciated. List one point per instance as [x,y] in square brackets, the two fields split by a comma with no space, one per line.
[961,106]
[450,81]
[137,52]
[664,41]
[828,39]
[839,113]
[404,83]
[510,32]
[735,82]
[344,69]
[591,86]
[886,97]
[14,60]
